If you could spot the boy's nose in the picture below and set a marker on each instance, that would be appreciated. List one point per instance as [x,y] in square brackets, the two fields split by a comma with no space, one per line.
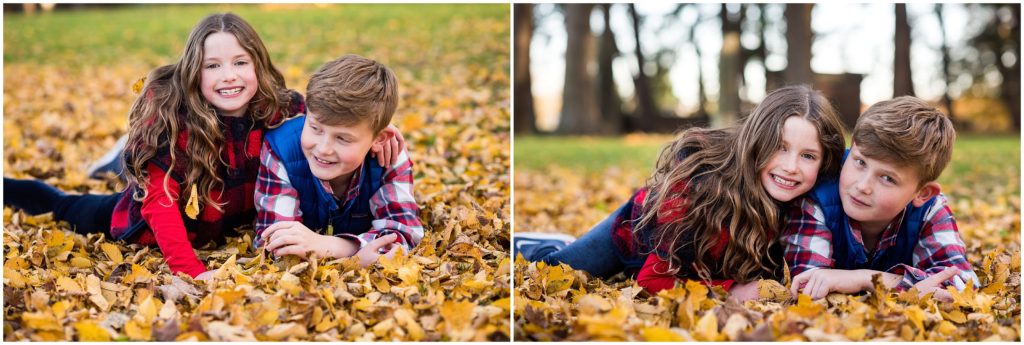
[863,185]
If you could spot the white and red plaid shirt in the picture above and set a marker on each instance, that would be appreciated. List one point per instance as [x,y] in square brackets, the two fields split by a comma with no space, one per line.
[393,206]
[808,244]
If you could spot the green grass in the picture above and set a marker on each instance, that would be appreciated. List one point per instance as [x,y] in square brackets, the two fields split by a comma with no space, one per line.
[589,154]
[303,36]
[972,154]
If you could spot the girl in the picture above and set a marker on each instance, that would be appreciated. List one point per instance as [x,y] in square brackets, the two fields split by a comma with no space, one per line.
[713,205]
[194,138]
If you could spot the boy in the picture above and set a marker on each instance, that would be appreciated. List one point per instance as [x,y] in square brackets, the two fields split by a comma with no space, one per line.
[316,171]
[885,215]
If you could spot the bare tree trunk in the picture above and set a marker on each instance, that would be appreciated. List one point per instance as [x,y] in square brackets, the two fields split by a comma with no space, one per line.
[1011,75]
[579,106]
[798,41]
[525,118]
[729,72]
[903,84]
[607,94]
[646,110]
[947,101]
[702,95]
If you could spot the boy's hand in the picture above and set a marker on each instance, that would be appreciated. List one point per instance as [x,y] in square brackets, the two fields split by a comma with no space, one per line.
[934,284]
[745,292]
[294,238]
[389,151]
[818,283]
[371,252]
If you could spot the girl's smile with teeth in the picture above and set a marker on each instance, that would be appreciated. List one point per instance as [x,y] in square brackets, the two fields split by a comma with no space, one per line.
[228,92]
[783,181]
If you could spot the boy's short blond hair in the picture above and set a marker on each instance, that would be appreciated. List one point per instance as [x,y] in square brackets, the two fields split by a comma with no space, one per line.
[908,132]
[352,89]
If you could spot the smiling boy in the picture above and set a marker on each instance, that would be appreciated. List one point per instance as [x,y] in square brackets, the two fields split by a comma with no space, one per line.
[885,215]
[317,172]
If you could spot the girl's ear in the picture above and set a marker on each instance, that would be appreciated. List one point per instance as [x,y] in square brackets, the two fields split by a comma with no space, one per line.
[926,192]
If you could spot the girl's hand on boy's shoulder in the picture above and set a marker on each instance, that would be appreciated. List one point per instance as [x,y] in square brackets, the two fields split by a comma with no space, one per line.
[387,153]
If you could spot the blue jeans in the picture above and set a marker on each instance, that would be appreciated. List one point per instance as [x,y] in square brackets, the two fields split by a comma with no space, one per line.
[595,252]
[86,213]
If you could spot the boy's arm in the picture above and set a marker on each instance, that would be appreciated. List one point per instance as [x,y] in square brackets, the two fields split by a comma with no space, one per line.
[275,198]
[939,246]
[806,239]
[393,207]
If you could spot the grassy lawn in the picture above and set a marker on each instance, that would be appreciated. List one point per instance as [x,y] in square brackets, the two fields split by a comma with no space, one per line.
[299,36]
[973,155]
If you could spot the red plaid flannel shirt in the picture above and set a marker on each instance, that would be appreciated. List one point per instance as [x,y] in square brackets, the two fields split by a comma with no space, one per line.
[808,244]
[393,206]
[166,225]
[654,276]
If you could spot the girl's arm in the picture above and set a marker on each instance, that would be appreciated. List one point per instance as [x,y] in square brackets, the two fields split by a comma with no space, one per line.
[164,218]
[654,276]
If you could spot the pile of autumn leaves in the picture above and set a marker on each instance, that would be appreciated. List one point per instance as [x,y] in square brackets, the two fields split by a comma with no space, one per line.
[453,286]
[557,303]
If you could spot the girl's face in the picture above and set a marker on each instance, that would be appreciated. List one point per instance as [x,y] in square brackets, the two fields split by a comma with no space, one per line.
[793,169]
[229,76]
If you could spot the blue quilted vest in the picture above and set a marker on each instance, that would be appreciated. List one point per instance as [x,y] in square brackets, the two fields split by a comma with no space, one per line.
[850,254]
[320,208]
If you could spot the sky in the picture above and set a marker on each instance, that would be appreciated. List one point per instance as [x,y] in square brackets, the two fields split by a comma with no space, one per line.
[849,38]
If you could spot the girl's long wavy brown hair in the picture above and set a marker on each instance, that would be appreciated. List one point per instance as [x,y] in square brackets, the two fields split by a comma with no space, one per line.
[172,101]
[715,172]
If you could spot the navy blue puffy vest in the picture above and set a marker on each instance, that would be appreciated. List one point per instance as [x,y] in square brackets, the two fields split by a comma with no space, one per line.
[319,208]
[850,254]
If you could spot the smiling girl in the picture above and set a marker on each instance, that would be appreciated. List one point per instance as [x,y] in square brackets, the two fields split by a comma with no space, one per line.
[713,206]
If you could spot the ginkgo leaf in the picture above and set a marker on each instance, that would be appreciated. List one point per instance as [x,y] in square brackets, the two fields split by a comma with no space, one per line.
[192,206]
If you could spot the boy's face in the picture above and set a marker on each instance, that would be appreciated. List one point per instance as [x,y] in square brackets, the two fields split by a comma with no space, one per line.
[335,151]
[874,192]
[793,169]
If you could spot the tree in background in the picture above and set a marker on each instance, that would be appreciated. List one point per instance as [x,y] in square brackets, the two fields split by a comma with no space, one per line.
[525,116]
[607,93]
[798,44]
[903,85]
[729,68]
[580,113]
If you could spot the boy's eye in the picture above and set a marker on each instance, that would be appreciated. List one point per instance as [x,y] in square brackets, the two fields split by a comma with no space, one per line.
[859,162]
[888,179]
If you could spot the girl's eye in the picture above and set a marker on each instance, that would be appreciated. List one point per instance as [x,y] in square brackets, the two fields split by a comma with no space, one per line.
[241,63]
[888,179]
[212,66]
[810,156]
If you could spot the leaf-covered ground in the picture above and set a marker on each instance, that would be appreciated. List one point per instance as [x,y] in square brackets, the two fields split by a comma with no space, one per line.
[557,303]
[67,88]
